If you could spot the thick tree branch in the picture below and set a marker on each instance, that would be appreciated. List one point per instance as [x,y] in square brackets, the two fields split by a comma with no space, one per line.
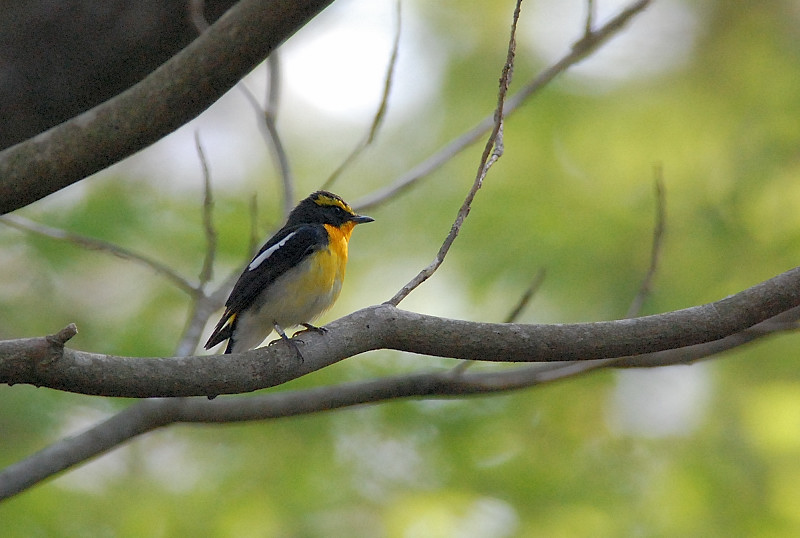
[786,321]
[173,94]
[386,327]
[44,361]
[149,415]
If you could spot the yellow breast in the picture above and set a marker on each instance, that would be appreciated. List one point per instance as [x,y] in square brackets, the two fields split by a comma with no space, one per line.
[339,236]
[311,288]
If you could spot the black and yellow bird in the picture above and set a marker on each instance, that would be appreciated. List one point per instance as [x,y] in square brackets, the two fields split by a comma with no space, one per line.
[296,276]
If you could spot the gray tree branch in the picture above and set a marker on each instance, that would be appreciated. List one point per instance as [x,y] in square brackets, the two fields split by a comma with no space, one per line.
[676,337]
[148,415]
[172,95]
[387,327]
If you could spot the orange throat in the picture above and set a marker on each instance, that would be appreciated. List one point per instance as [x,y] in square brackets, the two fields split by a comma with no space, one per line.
[339,236]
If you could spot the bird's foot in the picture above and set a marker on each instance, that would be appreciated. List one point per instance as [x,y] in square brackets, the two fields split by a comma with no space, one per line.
[309,327]
[289,342]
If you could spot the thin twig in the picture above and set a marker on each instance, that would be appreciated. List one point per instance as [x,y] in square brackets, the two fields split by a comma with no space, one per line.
[377,120]
[590,17]
[536,283]
[579,51]
[202,309]
[254,239]
[270,132]
[655,250]
[27,225]
[644,289]
[491,152]
[202,306]
[197,15]
[273,96]
[208,303]
[210,232]
[271,122]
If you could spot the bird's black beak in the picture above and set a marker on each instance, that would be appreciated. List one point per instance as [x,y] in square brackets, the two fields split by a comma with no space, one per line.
[361,219]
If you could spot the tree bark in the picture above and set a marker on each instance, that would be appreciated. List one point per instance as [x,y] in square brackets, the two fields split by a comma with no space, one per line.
[172,95]
[46,362]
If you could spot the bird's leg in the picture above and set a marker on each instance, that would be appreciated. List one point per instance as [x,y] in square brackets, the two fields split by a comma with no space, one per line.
[291,343]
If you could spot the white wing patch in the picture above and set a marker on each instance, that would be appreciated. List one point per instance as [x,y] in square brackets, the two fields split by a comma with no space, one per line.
[258,260]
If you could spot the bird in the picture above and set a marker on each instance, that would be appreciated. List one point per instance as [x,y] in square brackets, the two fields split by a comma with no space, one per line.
[295,276]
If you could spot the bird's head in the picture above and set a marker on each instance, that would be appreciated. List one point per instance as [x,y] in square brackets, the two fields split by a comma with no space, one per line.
[323,207]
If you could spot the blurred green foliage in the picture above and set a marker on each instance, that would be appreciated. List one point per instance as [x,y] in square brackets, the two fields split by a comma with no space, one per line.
[573,194]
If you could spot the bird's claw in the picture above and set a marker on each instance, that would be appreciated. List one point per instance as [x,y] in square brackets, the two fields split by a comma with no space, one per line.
[311,328]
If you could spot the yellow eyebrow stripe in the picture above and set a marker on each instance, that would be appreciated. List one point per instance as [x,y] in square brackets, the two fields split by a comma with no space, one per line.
[325,200]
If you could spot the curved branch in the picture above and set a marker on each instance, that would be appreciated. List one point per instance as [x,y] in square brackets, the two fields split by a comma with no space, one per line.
[172,95]
[384,326]
[145,416]
[148,415]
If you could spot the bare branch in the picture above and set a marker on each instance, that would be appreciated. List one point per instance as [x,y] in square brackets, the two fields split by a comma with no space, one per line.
[271,136]
[379,114]
[538,279]
[63,336]
[587,44]
[255,236]
[148,415]
[655,248]
[140,418]
[635,307]
[208,221]
[590,16]
[491,152]
[202,306]
[173,94]
[386,327]
[27,225]
[197,15]
[273,85]
[786,321]
[270,121]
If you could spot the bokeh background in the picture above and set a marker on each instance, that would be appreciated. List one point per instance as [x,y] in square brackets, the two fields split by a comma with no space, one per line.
[707,92]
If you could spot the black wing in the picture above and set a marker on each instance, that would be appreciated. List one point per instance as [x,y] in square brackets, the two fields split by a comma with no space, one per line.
[284,250]
[296,243]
